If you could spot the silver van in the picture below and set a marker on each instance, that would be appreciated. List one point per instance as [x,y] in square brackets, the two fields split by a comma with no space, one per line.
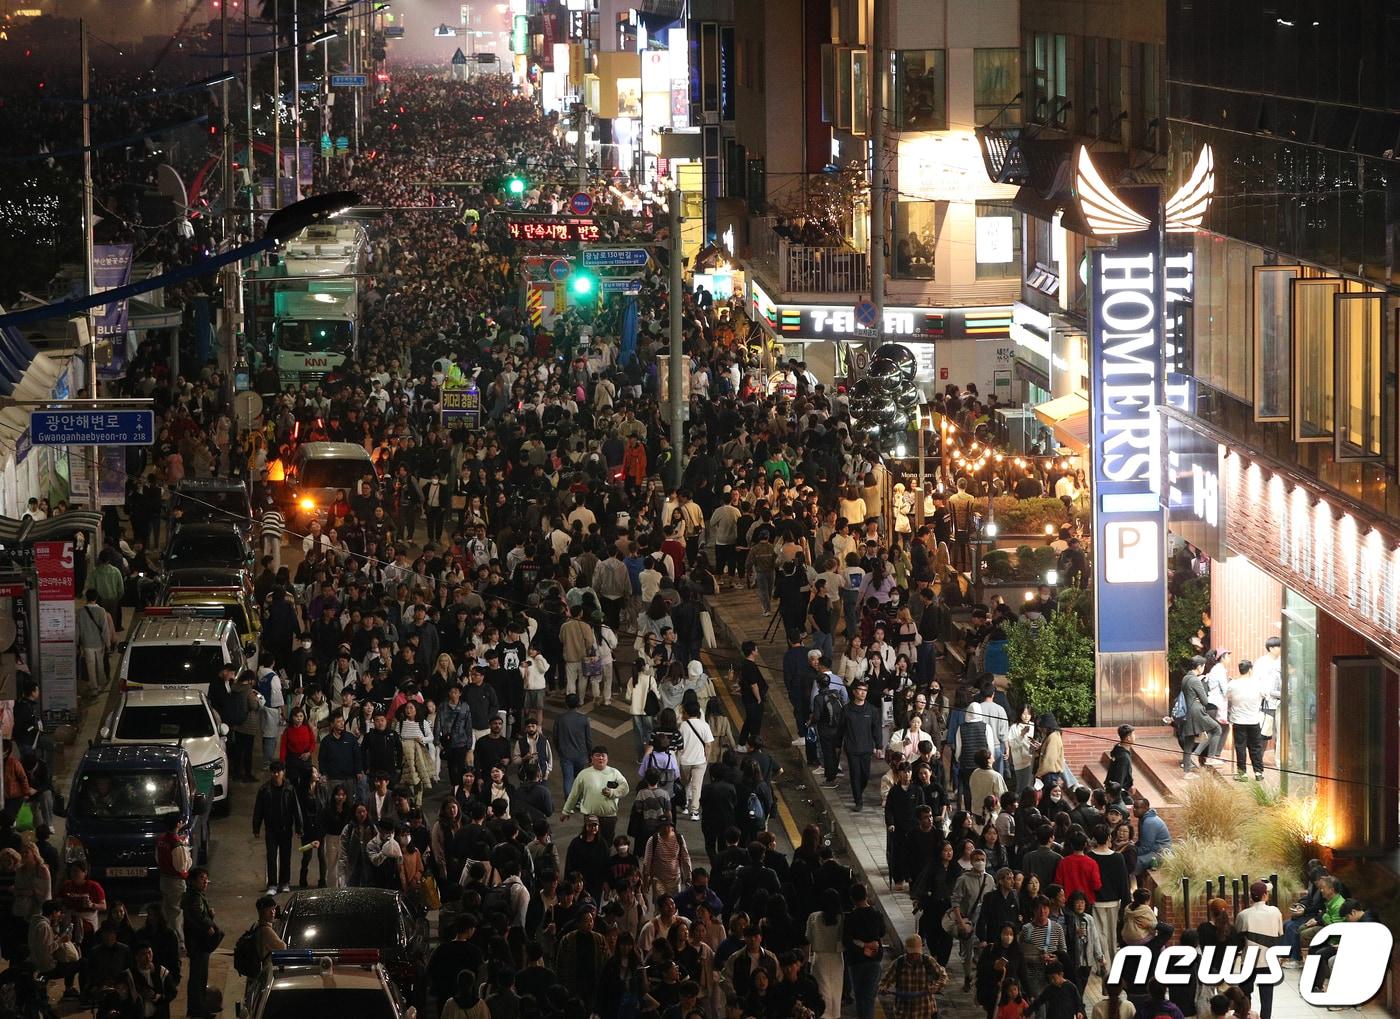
[182,646]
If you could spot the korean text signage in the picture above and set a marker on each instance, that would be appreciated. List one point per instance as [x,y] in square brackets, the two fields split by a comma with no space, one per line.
[1125,391]
[92,427]
[462,403]
[111,268]
[58,653]
[839,322]
[564,229]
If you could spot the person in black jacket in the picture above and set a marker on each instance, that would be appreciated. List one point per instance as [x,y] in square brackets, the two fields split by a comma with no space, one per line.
[860,734]
[1120,759]
[900,812]
[278,810]
[719,803]
[382,749]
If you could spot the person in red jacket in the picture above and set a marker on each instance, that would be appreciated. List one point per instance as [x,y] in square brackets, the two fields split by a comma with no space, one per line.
[296,749]
[1076,872]
[172,875]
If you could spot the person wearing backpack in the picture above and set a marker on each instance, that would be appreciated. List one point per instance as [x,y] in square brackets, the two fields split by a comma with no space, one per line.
[173,862]
[201,936]
[255,946]
[828,714]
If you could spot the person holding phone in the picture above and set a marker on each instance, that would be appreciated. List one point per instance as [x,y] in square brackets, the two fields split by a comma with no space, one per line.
[598,790]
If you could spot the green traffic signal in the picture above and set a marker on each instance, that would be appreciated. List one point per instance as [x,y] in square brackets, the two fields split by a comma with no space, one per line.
[516,186]
[583,284]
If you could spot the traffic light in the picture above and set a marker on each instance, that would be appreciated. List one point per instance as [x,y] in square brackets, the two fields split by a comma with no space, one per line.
[583,284]
[515,185]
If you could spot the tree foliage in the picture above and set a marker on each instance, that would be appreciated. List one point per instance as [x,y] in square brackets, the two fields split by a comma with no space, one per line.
[1052,666]
[1183,620]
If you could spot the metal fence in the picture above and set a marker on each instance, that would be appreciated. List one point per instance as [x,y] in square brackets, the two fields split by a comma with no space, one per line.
[805,269]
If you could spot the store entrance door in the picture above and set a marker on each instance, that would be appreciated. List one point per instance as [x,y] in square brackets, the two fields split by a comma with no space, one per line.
[1363,741]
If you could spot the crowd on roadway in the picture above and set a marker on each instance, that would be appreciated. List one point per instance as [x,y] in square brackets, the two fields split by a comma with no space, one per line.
[548,559]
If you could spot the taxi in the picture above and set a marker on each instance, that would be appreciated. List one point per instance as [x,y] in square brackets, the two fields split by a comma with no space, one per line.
[296,984]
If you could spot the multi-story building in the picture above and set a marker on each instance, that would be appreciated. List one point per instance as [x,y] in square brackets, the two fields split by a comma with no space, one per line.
[797,189]
[1290,426]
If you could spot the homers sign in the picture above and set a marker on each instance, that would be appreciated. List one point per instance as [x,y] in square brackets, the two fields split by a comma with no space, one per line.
[1126,389]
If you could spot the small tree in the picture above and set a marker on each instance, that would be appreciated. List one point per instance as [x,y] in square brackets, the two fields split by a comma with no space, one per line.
[1183,622]
[1052,667]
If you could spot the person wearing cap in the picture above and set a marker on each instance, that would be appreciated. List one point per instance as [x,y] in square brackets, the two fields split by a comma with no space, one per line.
[598,790]
[1260,924]
[914,979]
[1120,759]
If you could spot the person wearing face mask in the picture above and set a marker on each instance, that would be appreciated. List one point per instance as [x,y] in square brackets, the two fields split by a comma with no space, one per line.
[968,892]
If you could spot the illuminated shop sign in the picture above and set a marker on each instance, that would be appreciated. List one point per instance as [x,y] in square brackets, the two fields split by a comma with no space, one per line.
[838,322]
[1191,488]
[552,228]
[1125,391]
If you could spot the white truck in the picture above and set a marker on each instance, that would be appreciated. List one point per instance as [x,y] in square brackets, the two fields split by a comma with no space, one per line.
[316,311]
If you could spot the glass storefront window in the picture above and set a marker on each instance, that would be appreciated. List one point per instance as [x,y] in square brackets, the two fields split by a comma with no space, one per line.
[996,78]
[916,228]
[1273,334]
[920,91]
[1314,350]
[1297,715]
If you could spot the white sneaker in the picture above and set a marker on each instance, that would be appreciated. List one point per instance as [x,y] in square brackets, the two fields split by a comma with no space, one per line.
[801,741]
[270,890]
[285,888]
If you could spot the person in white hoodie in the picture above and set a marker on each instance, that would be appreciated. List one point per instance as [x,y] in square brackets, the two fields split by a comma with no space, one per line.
[642,687]
[535,667]
[696,737]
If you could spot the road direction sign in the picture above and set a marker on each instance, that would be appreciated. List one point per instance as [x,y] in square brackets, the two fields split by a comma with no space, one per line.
[621,286]
[581,204]
[92,427]
[602,258]
[393,32]
[349,80]
[867,314]
[308,86]
[459,57]
[559,269]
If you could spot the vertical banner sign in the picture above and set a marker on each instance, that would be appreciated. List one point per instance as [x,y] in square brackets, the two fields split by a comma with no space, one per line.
[1126,389]
[305,165]
[111,268]
[58,646]
[111,477]
[462,403]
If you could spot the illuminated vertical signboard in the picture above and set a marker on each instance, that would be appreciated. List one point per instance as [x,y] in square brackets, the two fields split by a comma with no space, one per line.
[1126,386]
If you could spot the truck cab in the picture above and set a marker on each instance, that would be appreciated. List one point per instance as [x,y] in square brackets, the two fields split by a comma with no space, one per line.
[122,798]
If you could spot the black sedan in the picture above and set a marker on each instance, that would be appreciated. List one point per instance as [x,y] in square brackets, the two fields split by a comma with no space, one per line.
[363,918]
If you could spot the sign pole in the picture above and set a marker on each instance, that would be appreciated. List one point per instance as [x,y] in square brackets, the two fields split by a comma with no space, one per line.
[676,382]
[87,248]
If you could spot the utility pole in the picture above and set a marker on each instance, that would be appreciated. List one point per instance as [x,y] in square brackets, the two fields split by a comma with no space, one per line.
[878,186]
[296,101]
[676,380]
[277,104]
[248,162]
[326,85]
[93,453]
[581,147]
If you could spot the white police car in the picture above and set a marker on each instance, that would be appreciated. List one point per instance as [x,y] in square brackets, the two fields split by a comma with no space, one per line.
[297,984]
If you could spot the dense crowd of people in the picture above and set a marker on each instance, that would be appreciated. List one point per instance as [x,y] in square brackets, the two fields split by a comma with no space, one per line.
[550,559]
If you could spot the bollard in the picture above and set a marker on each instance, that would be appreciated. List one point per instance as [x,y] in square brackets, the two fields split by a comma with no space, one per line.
[1273,887]
[1221,886]
[1234,895]
[1186,903]
[1210,889]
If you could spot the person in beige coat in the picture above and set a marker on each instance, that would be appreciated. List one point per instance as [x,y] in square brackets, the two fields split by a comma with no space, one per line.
[416,772]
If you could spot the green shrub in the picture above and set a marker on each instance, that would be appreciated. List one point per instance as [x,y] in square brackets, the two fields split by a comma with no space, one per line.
[999,566]
[1052,667]
[1027,516]
[1183,620]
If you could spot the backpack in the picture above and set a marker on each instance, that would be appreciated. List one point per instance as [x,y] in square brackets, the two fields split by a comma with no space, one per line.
[653,812]
[755,810]
[830,711]
[235,708]
[247,957]
[496,901]
[1179,707]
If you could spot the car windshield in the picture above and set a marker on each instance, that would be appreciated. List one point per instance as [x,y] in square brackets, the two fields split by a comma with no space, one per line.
[204,547]
[164,721]
[127,794]
[325,336]
[220,507]
[232,611]
[367,928]
[361,1002]
[334,473]
[179,664]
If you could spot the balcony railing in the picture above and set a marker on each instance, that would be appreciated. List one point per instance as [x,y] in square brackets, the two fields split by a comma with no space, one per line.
[806,269]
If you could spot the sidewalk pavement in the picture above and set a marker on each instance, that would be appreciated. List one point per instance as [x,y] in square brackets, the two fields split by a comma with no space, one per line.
[737,618]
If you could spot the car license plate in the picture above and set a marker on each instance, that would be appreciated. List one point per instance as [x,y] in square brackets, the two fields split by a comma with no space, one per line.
[126,871]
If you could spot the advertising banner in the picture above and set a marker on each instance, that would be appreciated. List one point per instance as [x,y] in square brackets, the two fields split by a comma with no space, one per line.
[462,403]
[111,477]
[111,268]
[1126,388]
[58,646]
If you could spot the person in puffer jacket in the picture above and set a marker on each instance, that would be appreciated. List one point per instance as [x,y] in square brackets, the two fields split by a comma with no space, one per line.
[454,732]
[416,772]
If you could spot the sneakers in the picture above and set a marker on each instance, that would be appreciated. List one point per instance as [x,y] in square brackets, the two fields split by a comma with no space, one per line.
[270,890]
[1240,776]
[695,815]
[801,741]
[284,888]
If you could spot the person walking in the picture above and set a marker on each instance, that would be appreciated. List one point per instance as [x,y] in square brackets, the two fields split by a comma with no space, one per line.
[173,862]
[825,941]
[696,739]
[753,691]
[573,738]
[1245,697]
[914,979]
[862,933]
[202,936]
[860,736]
[597,791]
[1197,728]
[278,810]
[1260,924]
[95,639]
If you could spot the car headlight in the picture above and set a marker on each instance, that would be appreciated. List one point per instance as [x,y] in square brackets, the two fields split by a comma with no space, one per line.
[215,767]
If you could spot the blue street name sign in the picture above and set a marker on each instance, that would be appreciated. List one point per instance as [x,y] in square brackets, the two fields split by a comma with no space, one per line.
[308,86]
[92,427]
[626,286]
[349,80]
[602,258]
[393,32]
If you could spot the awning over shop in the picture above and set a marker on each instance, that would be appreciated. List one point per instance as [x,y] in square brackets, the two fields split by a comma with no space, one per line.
[143,316]
[1068,418]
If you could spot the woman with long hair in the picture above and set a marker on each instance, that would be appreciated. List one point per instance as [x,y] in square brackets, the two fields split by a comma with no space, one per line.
[445,828]
[298,744]
[356,869]
[416,772]
[933,898]
[998,963]
[622,985]
[824,943]
[334,817]
[1113,1005]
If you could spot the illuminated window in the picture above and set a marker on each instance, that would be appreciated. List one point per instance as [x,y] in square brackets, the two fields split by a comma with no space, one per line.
[998,241]
[1273,335]
[916,229]
[1314,359]
[996,78]
[920,91]
[465,12]
[1359,373]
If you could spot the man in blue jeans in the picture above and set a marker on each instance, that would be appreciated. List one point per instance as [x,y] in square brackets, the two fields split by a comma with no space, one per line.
[864,932]
[572,739]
